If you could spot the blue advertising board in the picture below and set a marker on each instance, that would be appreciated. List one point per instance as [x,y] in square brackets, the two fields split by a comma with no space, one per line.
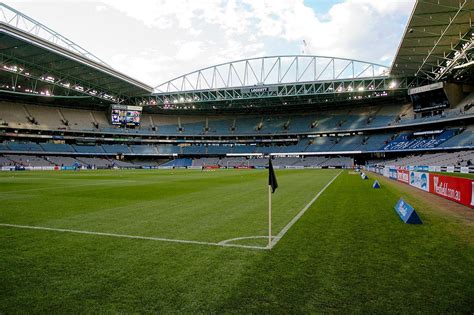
[407,213]
[68,168]
[420,180]
[392,173]
[421,168]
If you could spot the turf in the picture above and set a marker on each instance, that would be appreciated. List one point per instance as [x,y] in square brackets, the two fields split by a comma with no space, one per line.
[179,204]
[349,253]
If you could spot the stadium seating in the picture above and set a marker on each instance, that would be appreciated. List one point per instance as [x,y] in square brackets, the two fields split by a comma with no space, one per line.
[56,118]
[178,163]
[62,160]
[169,149]
[28,160]
[24,147]
[144,149]
[123,164]
[308,161]
[194,149]
[91,149]
[218,149]
[407,141]
[4,147]
[116,148]
[95,162]
[220,126]
[51,147]
[465,138]
[243,149]
[205,162]
[346,130]
[460,158]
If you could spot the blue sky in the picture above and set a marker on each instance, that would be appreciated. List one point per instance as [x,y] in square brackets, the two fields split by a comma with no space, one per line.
[157,40]
[321,6]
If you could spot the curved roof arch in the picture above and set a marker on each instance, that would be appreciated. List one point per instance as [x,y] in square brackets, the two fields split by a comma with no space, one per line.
[272,70]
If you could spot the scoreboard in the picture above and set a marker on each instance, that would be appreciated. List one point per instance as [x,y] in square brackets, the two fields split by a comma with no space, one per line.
[429,97]
[125,115]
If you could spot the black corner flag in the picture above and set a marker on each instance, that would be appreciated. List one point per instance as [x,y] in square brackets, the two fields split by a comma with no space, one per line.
[272,180]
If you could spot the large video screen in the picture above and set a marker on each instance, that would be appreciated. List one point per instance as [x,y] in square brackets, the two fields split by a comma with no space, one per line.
[125,115]
[429,97]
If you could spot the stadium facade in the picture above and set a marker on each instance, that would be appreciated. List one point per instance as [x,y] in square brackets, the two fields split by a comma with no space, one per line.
[62,106]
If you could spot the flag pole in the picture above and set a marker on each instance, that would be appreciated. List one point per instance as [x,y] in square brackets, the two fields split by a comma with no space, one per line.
[269,216]
[272,186]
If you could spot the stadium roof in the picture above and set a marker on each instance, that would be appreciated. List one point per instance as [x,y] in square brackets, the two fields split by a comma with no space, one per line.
[279,81]
[29,50]
[438,41]
[272,70]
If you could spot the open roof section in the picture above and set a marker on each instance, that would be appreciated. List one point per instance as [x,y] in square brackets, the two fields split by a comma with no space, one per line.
[277,83]
[438,40]
[273,70]
[30,49]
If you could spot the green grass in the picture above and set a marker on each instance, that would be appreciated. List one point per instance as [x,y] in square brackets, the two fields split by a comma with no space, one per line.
[350,253]
[179,204]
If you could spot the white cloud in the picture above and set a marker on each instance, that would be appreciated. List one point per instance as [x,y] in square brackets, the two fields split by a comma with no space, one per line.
[156,40]
[101,8]
[188,50]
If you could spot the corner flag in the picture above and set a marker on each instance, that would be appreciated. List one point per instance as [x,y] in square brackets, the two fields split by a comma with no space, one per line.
[272,186]
[272,181]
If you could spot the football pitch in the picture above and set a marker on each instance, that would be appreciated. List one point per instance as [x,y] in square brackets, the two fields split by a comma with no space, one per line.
[195,241]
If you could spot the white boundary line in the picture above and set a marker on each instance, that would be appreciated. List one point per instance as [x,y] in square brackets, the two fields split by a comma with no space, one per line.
[277,238]
[170,240]
[224,242]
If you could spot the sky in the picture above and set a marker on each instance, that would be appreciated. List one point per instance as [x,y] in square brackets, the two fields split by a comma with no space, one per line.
[157,40]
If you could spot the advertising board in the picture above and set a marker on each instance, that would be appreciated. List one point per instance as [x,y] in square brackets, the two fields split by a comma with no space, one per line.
[420,180]
[453,188]
[403,176]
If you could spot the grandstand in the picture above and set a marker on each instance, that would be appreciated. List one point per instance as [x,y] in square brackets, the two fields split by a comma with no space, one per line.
[355,109]
[209,134]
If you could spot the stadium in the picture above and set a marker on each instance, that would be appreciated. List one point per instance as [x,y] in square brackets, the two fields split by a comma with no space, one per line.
[273,184]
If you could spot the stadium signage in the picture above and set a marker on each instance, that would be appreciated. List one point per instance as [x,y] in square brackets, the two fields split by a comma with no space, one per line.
[420,180]
[403,176]
[456,189]
[194,167]
[472,194]
[421,168]
[426,88]
[452,188]
[427,133]
[127,107]
[434,168]
[260,89]
[407,213]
